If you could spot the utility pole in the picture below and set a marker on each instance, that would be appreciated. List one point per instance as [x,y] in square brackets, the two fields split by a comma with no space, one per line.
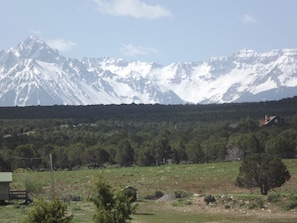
[52,178]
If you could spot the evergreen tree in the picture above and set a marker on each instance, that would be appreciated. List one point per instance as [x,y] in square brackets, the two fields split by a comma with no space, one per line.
[124,153]
[112,206]
[263,171]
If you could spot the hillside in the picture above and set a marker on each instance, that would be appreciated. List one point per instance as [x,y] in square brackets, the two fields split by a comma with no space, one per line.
[144,135]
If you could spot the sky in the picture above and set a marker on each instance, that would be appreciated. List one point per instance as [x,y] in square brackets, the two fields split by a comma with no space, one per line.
[160,31]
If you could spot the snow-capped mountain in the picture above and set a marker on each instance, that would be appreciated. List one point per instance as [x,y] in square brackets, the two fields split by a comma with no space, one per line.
[32,73]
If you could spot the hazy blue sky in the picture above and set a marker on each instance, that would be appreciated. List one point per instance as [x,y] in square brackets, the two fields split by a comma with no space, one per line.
[162,31]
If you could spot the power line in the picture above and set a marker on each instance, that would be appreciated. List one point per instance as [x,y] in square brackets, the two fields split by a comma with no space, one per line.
[39,158]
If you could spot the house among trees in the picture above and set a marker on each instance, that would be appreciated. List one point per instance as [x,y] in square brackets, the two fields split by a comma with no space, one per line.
[5,180]
[270,120]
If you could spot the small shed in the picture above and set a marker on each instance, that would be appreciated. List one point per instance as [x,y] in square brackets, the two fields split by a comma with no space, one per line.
[5,180]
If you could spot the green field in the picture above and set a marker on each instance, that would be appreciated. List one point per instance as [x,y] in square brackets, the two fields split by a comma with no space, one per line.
[215,179]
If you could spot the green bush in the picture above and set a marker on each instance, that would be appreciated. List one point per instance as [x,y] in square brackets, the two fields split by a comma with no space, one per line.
[273,198]
[292,202]
[209,199]
[256,203]
[291,205]
[252,206]
[259,203]
[48,212]
[181,194]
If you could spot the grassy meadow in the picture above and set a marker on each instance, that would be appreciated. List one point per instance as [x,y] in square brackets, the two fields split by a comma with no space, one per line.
[215,179]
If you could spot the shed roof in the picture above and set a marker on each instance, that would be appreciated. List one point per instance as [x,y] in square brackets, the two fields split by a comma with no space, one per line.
[5,177]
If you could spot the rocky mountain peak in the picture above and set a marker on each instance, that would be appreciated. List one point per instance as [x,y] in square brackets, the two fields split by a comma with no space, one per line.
[35,48]
[33,73]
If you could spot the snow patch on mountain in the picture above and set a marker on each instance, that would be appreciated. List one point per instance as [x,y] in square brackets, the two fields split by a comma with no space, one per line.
[32,73]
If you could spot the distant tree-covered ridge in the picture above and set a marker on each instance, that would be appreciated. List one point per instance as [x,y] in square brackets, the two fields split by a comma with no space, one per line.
[143,135]
[209,112]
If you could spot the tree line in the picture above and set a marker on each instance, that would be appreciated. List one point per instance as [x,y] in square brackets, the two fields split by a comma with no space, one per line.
[143,135]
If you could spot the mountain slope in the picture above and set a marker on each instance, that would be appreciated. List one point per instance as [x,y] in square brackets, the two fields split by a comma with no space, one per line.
[32,73]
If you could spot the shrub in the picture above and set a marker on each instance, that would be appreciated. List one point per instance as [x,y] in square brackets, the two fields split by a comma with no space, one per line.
[72,197]
[48,212]
[209,199]
[260,203]
[273,198]
[181,194]
[256,203]
[227,206]
[131,193]
[292,203]
[159,194]
[155,196]
[252,206]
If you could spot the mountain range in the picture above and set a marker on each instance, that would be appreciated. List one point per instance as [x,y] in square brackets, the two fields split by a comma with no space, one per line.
[32,73]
